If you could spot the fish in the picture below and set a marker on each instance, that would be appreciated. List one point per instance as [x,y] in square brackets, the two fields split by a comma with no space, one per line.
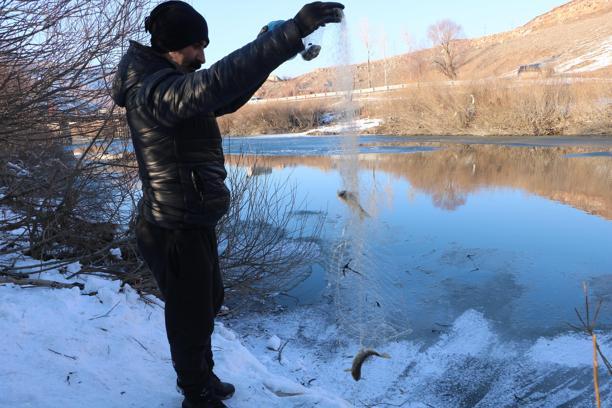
[351,200]
[361,357]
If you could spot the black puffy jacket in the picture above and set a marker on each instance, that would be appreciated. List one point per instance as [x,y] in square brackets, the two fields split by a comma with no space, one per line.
[172,120]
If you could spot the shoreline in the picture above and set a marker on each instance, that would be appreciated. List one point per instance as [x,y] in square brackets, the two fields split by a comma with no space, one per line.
[525,140]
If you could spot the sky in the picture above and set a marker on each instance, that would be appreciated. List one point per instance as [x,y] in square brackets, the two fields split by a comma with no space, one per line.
[233,24]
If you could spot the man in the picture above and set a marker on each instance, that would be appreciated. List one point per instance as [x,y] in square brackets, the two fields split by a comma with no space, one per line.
[171,111]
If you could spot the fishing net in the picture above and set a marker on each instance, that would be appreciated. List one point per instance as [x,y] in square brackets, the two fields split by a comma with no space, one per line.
[369,296]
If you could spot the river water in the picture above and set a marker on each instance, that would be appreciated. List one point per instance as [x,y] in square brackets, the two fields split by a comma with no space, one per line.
[510,228]
[477,250]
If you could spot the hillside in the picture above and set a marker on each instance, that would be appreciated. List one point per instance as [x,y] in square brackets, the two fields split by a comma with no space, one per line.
[574,39]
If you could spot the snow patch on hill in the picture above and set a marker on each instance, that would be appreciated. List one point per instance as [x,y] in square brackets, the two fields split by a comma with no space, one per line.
[597,58]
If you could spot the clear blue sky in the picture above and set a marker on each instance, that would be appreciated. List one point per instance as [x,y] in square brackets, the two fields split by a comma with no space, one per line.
[233,23]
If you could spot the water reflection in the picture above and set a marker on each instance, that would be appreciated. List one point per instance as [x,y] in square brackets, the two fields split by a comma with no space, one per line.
[509,231]
[453,172]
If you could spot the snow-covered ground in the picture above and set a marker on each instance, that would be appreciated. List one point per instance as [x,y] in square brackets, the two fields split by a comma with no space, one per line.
[596,58]
[356,126]
[68,348]
[71,347]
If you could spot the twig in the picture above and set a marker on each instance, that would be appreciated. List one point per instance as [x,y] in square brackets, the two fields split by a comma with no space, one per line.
[64,355]
[605,360]
[588,327]
[596,371]
[40,283]
[142,345]
[107,313]
[348,268]
[280,352]
[471,258]
[386,404]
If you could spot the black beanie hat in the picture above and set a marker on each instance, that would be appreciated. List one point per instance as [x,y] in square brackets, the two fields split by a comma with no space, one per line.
[174,25]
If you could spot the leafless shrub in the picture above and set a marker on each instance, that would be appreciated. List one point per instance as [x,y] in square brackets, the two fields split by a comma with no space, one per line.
[365,33]
[503,107]
[62,144]
[545,112]
[267,237]
[265,118]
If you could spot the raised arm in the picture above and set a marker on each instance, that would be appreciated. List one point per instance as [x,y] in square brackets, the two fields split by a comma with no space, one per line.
[171,96]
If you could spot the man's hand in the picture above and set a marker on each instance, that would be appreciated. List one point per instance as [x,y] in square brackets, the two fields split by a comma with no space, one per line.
[317,14]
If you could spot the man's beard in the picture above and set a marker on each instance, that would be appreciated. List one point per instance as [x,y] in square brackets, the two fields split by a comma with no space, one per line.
[194,66]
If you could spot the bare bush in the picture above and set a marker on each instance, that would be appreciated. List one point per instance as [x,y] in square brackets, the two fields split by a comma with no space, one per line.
[545,112]
[501,107]
[62,141]
[267,237]
[264,118]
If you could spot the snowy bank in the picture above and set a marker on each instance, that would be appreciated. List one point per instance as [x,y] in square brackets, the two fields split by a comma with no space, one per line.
[65,348]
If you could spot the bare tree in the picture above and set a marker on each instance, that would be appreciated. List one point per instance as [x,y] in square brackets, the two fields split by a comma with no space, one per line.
[444,35]
[383,40]
[366,38]
[416,64]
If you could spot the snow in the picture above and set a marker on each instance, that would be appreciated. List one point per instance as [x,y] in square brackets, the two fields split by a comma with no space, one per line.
[105,346]
[68,348]
[74,267]
[597,58]
[17,169]
[274,343]
[116,252]
[359,125]
[568,350]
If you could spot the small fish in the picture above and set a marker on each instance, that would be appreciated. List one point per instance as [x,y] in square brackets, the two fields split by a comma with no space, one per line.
[361,357]
[351,200]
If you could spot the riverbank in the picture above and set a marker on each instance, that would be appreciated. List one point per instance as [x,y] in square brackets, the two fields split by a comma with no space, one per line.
[495,108]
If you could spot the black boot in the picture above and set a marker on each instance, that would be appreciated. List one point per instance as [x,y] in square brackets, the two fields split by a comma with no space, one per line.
[205,399]
[222,390]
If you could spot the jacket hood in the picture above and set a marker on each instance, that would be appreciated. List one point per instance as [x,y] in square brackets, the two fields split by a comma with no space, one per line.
[138,62]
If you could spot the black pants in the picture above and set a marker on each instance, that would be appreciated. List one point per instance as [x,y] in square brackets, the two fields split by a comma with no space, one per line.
[185,263]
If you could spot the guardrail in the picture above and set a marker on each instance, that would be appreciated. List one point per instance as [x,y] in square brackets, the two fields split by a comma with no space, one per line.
[389,88]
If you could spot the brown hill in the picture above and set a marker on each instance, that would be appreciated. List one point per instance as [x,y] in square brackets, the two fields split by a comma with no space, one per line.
[568,13]
[574,39]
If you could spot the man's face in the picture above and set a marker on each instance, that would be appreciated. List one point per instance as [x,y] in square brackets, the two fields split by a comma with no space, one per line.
[191,57]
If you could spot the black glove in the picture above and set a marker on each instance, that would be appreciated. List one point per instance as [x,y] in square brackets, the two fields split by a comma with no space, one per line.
[317,14]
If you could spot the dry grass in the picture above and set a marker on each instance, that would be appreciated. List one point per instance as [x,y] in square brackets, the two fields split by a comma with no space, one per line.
[266,118]
[499,108]
[588,323]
